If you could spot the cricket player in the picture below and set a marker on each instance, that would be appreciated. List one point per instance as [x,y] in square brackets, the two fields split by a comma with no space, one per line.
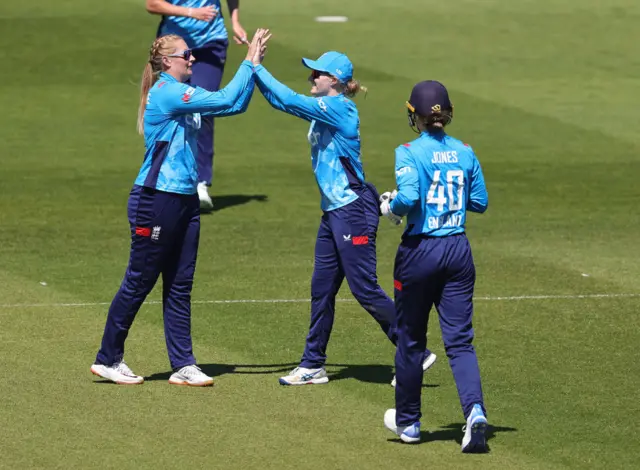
[438,179]
[163,209]
[346,242]
[201,24]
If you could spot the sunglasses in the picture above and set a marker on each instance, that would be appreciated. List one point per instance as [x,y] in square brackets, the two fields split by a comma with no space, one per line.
[317,74]
[186,54]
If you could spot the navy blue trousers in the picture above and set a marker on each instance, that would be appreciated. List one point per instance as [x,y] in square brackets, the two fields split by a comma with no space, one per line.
[346,247]
[440,272]
[165,230]
[207,73]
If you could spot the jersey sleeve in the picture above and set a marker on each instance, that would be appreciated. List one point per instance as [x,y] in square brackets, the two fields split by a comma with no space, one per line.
[478,196]
[180,98]
[285,99]
[407,182]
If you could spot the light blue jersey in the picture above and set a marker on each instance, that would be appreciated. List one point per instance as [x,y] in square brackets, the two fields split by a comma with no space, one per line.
[439,178]
[334,136]
[171,124]
[196,33]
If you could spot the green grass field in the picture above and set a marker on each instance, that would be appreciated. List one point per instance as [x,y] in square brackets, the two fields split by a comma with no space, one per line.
[546,91]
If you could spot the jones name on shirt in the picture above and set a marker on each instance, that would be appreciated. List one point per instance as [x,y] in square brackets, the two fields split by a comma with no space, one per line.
[450,156]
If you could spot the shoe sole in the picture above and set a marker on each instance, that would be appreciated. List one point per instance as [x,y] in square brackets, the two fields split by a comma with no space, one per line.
[208,383]
[116,381]
[425,367]
[478,442]
[206,205]
[319,381]
[431,362]
[409,440]
[390,424]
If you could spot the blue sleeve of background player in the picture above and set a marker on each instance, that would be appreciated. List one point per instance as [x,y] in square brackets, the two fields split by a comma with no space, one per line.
[407,181]
[478,196]
[180,98]
[285,99]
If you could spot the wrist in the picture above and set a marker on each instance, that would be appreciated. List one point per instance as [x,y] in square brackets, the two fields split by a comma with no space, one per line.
[189,12]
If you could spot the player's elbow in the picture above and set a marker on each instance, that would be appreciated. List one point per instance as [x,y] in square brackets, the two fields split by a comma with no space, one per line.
[226,100]
[479,206]
[152,6]
[410,198]
[404,202]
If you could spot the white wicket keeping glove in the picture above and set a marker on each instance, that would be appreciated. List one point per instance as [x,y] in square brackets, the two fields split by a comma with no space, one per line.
[385,207]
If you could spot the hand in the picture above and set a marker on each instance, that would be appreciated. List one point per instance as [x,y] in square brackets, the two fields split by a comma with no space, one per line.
[385,207]
[203,14]
[239,34]
[258,46]
[388,196]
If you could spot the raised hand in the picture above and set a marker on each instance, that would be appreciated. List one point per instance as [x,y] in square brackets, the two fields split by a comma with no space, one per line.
[258,46]
[263,45]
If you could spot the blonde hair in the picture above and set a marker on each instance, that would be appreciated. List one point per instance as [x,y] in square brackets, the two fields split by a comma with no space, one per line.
[353,87]
[160,47]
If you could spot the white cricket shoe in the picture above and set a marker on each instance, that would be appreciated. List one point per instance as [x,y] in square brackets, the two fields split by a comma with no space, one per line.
[304,376]
[426,365]
[118,373]
[190,375]
[475,440]
[206,204]
[408,434]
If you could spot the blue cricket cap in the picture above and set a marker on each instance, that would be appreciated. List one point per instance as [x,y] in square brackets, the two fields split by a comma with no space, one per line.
[429,97]
[334,63]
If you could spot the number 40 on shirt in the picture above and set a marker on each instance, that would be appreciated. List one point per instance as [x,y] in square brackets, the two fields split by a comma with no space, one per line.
[454,190]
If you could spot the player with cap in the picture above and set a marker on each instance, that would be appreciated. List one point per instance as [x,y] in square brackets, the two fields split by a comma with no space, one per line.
[346,242]
[439,178]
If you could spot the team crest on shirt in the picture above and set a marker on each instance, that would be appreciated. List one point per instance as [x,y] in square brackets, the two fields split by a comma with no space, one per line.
[155,233]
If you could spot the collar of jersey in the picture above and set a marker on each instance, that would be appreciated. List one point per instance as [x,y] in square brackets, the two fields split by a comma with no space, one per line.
[167,78]
[435,135]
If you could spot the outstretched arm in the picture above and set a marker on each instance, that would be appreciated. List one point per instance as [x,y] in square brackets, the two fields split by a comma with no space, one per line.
[180,98]
[285,99]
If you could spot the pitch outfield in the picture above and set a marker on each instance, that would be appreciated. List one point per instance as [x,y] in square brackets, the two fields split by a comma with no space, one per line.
[545,92]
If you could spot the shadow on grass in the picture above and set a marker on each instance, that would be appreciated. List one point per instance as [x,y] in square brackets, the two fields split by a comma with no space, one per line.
[230,200]
[453,432]
[371,373]
[216,370]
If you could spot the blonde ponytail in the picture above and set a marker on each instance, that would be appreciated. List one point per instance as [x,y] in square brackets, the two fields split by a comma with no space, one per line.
[160,47]
[146,83]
